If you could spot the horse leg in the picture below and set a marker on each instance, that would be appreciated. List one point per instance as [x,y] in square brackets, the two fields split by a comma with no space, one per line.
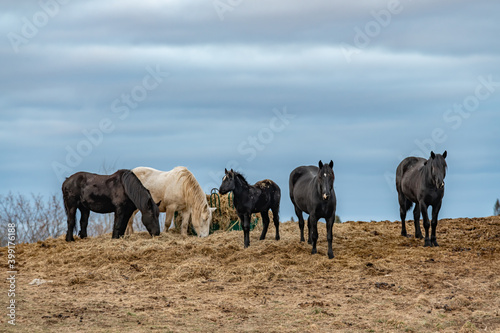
[245,224]
[329,235]
[298,212]
[416,221]
[119,213]
[425,217]
[402,213]
[71,211]
[312,221]
[84,221]
[435,212]
[309,240]
[130,224]
[185,221]
[265,223]
[276,219]
[121,219]
[169,215]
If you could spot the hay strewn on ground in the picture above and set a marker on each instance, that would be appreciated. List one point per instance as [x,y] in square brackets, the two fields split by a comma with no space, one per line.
[378,282]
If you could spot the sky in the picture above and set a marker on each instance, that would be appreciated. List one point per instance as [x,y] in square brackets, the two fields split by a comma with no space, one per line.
[260,87]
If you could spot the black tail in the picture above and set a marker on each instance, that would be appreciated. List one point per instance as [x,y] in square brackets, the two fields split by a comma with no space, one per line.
[65,193]
[408,204]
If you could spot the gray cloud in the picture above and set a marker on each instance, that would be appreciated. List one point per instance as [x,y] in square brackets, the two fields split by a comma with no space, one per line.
[225,77]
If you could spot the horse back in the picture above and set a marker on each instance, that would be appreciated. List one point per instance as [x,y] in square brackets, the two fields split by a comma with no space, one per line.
[407,167]
[270,192]
[301,182]
[155,181]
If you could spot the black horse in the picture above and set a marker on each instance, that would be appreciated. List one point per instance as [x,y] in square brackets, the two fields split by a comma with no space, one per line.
[421,181]
[120,193]
[311,191]
[248,199]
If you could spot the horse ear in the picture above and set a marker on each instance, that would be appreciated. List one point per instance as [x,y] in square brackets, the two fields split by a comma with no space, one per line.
[213,209]
[158,204]
[320,164]
[331,164]
[425,163]
[445,154]
[225,170]
[232,171]
[433,155]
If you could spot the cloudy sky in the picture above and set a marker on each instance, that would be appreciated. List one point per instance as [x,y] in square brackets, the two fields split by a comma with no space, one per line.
[258,86]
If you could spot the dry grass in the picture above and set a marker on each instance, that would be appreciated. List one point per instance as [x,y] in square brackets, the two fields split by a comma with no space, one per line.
[378,282]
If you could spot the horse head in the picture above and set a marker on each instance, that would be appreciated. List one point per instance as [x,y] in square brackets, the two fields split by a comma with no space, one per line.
[325,180]
[228,182]
[150,218]
[202,226]
[438,168]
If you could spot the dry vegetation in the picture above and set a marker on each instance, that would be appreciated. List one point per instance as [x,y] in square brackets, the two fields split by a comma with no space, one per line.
[377,282]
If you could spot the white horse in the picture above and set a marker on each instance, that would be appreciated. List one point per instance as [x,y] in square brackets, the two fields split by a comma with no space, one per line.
[180,192]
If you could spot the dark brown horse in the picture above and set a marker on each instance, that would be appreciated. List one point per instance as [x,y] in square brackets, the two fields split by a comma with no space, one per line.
[421,181]
[120,193]
[248,199]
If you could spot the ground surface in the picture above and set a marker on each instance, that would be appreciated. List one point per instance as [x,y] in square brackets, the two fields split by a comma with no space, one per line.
[377,282]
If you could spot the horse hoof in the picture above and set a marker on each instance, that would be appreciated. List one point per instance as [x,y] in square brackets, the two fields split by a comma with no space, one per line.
[309,242]
[404,234]
[427,243]
[277,237]
[330,256]
[314,251]
[434,243]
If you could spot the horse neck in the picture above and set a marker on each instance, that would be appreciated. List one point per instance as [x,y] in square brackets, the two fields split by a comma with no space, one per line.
[134,189]
[196,197]
[241,188]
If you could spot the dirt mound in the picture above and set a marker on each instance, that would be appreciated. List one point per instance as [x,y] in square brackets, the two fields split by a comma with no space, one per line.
[377,282]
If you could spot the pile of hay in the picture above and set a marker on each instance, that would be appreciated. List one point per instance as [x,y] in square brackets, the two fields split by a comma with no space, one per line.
[224,218]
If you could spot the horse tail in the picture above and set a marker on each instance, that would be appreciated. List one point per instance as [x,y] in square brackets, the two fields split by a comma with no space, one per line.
[402,168]
[65,193]
[294,177]
[136,192]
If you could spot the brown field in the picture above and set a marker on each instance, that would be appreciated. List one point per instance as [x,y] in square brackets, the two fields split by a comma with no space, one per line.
[377,282]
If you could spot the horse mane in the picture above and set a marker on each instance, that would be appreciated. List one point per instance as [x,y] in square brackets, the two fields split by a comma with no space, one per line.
[139,195]
[241,178]
[192,192]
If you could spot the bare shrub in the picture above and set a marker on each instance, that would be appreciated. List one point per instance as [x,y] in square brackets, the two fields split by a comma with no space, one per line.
[35,218]
[38,219]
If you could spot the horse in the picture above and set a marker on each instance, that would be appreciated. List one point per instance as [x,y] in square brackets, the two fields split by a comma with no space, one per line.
[311,191]
[179,191]
[120,193]
[248,199]
[421,181]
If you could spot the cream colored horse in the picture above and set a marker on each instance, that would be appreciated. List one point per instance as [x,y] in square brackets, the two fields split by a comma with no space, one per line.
[179,192]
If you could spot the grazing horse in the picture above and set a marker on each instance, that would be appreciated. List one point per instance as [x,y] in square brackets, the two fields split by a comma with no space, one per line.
[421,181]
[120,193]
[179,191]
[248,199]
[311,191]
